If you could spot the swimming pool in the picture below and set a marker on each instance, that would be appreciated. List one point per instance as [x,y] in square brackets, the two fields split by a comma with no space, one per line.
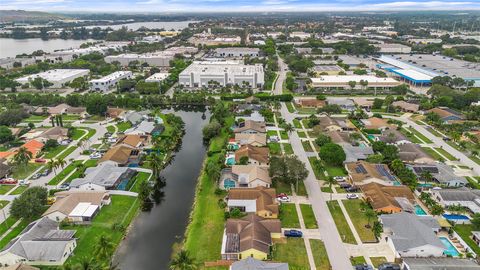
[451,250]
[230,160]
[371,137]
[456,217]
[419,211]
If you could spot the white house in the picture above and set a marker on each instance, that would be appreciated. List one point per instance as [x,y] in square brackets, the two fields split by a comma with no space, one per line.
[105,83]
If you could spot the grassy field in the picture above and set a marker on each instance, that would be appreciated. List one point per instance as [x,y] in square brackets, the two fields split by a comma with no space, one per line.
[376,261]
[24,172]
[307,146]
[326,189]
[335,171]
[281,187]
[359,220]
[5,188]
[78,133]
[293,252]
[445,154]
[308,216]
[290,107]
[357,260]
[297,123]
[301,134]
[320,255]
[465,231]
[271,133]
[139,178]
[19,190]
[110,129]
[283,135]
[274,148]
[13,233]
[90,133]
[289,216]
[342,225]
[59,177]
[35,118]
[432,153]
[317,168]
[54,151]
[287,148]
[3,203]
[122,210]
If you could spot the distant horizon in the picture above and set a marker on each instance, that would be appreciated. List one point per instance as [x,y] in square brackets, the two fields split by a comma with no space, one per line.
[234,6]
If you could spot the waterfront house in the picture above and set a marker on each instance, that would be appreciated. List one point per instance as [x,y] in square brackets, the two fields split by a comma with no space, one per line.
[256,155]
[250,127]
[245,176]
[106,176]
[260,201]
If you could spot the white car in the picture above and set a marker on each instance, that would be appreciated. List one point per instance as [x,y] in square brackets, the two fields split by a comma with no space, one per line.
[24,183]
[95,155]
[352,196]
[339,178]
[283,199]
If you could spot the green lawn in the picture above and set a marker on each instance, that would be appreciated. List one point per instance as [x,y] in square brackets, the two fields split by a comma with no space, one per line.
[293,252]
[35,118]
[445,154]
[317,167]
[281,187]
[359,220]
[271,133]
[410,136]
[320,255]
[326,189]
[433,154]
[7,224]
[90,133]
[289,216]
[19,190]
[67,152]
[287,148]
[23,172]
[434,132]
[111,129]
[121,211]
[302,191]
[297,123]
[70,117]
[54,151]
[59,177]
[122,126]
[376,261]
[5,188]
[301,134]
[342,225]
[13,233]
[420,135]
[465,231]
[357,260]
[473,183]
[290,107]
[78,133]
[89,163]
[139,178]
[274,148]
[283,135]
[335,171]
[307,146]
[3,203]
[308,216]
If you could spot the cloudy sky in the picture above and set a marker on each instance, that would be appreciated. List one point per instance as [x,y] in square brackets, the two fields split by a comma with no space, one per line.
[235,5]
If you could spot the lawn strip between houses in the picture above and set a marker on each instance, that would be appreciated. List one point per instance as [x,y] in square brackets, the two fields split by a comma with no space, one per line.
[293,252]
[342,225]
[320,255]
[359,220]
[289,216]
[308,216]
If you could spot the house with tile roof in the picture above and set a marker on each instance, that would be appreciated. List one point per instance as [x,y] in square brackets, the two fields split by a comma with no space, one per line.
[388,199]
[34,147]
[251,263]
[250,236]
[255,139]
[115,112]
[413,153]
[446,114]
[250,176]
[256,155]
[133,140]
[406,106]
[122,155]
[54,133]
[376,123]
[250,127]
[362,172]
[261,201]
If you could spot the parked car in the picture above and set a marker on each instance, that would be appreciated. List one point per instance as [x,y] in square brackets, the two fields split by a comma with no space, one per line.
[95,155]
[36,176]
[389,266]
[363,267]
[112,140]
[282,195]
[64,186]
[293,233]
[352,189]
[339,178]
[352,196]
[65,142]
[24,183]
[283,199]
[40,160]
[45,172]
[345,185]
[8,181]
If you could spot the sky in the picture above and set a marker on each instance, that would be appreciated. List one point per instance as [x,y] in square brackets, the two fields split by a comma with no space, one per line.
[175,6]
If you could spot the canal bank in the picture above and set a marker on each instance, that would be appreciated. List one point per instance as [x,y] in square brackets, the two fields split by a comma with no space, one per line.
[148,245]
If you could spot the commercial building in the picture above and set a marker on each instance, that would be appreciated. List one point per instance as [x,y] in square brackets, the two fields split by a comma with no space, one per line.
[237,52]
[424,41]
[58,77]
[344,81]
[327,69]
[9,63]
[158,59]
[158,77]
[105,83]
[201,74]
[393,48]
[212,40]
[300,35]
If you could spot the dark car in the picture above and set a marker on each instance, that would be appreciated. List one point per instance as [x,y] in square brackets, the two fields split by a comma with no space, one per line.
[352,189]
[389,266]
[46,172]
[363,267]
[345,185]
[293,233]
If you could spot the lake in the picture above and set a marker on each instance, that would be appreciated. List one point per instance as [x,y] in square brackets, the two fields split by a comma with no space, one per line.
[10,47]
[148,245]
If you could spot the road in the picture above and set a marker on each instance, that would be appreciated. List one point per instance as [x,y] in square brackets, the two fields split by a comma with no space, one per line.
[336,251]
[282,75]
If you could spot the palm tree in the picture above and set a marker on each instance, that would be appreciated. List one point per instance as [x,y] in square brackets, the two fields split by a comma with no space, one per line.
[364,205]
[277,106]
[81,168]
[369,214]
[183,261]
[22,157]
[103,246]
[156,164]
[426,176]
[330,181]
[52,165]
[61,162]
[397,165]
[87,264]
[288,128]
[377,229]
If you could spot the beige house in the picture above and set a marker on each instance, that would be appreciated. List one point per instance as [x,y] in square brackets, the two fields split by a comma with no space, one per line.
[250,126]
[261,201]
[406,106]
[256,155]
[250,176]
[362,172]
[255,139]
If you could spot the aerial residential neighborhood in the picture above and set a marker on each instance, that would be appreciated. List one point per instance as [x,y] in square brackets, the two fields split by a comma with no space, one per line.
[190,136]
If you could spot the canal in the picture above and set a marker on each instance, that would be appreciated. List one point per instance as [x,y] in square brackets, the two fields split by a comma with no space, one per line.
[148,245]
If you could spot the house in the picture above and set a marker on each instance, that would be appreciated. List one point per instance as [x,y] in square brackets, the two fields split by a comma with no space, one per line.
[250,127]
[413,153]
[441,173]
[115,113]
[362,172]
[246,107]
[122,155]
[250,176]
[468,198]
[59,109]
[344,103]
[338,137]
[255,139]
[310,102]
[133,117]
[406,106]
[40,243]
[77,206]
[105,176]
[133,140]
[33,146]
[328,124]
[254,116]
[250,236]
[80,111]
[388,199]
[356,153]
[363,103]
[54,133]
[392,136]
[446,114]
[256,155]
[433,263]
[5,169]
[259,200]
[145,128]
[251,263]
[410,235]
[376,123]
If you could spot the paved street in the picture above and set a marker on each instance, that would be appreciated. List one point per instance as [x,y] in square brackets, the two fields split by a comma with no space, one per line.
[337,253]
[282,75]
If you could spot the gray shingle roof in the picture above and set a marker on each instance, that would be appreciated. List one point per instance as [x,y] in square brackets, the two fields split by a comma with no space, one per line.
[440,264]
[254,264]
[134,117]
[105,174]
[356,153]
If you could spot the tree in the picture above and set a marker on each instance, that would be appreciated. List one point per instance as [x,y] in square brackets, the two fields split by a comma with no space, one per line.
[352,84]
[155,163]
[243,160]
[436,210]
[61,162]
[288,128]
[182,261]
[426,176]
[104,247]
[377,229]
[211,130]
[377,104]
[52,166]
[323,139]
[288,169]
[22,157]
[5,134]
[40,83]
[332,154]
[50,144]
[330,181]
[30,204]
[370,214]
[476,221]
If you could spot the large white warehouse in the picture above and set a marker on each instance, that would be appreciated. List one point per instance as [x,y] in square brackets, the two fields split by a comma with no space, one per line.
[109,81]
[59,77]
[199,74]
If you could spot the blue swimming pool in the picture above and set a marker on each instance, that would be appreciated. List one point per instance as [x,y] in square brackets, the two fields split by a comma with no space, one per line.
[230,161]
[371,137]
[419,211]
[455,217]
[450,249]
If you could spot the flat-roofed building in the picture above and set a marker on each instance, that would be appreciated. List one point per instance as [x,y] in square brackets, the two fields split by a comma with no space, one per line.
[153,59]
[58,77]
[201,73]
[343,82]
[393,48]
[158,77]
[327,69]
[237,52]
[105,83]
[9,63]
[300,35]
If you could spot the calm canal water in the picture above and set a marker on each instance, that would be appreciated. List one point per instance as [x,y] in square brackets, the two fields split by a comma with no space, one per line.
[148,245]
[10,47]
